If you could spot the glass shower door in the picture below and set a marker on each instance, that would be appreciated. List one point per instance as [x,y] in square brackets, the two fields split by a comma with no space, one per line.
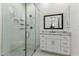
[18,41]
[13,41]
[30,29]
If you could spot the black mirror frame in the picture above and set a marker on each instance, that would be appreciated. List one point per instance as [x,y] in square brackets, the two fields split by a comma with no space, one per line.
[54,15]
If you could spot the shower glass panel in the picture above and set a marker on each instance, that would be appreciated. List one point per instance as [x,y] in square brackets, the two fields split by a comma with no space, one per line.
[19,29]
[30,29]
[13,42]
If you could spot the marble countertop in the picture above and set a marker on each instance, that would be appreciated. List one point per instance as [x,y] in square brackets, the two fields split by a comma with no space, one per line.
[62,33]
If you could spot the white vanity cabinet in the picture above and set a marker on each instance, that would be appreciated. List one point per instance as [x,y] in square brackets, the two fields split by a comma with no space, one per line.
[43,43]
[65,45]
[55,43]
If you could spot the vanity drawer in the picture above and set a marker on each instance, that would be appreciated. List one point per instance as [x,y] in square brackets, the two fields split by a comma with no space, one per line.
[65,43]
[43,40]
[65,50]
[43,47]
[65,38]
[43,43]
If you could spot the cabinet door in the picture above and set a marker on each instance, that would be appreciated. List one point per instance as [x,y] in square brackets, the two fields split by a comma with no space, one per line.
[53,45]
[43,43]
[65,50]
[65,43]
[65,46]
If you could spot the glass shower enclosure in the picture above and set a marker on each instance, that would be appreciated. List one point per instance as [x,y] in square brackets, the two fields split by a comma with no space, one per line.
[30,25]
[19,29]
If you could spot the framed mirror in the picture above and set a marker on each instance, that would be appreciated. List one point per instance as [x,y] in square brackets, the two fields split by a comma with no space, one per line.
[54,21]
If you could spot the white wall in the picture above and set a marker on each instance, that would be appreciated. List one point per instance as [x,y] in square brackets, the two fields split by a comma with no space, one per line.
[0,28]
[53,8]
[74,20]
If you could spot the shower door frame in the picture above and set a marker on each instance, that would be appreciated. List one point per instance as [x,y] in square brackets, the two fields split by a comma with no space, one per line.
[26,29]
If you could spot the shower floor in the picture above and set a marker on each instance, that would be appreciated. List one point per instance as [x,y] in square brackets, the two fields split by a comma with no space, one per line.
[21,52]
[18,51]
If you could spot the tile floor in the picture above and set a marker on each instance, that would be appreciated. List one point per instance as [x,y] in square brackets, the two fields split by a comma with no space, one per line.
[20,52]
[43,53]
